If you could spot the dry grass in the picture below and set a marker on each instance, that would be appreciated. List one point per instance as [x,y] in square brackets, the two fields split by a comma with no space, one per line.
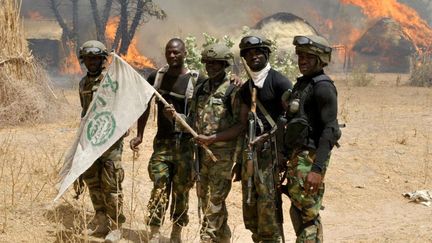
[385,151]
[25,94]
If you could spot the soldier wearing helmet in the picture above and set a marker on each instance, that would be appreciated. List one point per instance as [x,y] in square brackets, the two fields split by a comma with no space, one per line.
[215,114]
[261,203]
[310,135]
[105,176]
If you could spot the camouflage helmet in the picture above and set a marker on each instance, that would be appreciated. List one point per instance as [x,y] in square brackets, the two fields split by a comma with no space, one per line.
[93,48]
[254,41]
[315,45]
[217,52]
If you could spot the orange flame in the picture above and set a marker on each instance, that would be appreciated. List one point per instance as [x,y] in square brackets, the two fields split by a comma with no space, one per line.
[413,25]
[34,15]
[71,65]
[133,56]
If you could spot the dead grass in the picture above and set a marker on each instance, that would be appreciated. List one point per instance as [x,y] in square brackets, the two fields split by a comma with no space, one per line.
[25,94]
[367,175]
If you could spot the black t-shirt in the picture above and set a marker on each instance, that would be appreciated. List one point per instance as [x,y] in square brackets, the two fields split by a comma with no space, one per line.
[178,86]
[321,109]
[269,95]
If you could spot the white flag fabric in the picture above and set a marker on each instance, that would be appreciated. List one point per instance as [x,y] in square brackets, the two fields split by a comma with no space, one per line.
[122,97]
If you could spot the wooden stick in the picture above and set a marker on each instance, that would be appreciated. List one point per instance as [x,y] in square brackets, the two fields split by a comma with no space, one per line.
[179,119]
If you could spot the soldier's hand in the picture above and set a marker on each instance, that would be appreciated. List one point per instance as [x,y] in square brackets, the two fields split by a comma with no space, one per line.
[205,140]
[236,80]
[169,111]
[313,182]
[134,142]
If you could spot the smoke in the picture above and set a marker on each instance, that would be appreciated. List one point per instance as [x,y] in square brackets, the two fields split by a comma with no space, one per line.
[222,17]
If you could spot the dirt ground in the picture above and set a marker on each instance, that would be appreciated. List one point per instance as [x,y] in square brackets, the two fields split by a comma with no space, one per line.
[385,151]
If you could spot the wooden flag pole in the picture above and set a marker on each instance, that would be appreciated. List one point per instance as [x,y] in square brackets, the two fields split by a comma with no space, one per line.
[179,119]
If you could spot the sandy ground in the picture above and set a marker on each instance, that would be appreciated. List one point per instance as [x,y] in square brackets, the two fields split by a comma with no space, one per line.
[385,151]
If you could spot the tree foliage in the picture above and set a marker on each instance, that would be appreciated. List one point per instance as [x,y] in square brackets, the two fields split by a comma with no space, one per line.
[279,60]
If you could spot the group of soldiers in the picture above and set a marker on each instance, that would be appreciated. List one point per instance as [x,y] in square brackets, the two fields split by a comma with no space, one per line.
[272,136]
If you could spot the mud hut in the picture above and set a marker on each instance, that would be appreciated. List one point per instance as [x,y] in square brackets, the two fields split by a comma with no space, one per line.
[44,40]
[282,27]
[384,48]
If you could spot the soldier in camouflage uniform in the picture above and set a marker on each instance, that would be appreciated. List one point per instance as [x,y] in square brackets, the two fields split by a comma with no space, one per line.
[215,114]
[170,166]
[310,135]
[105,176]
[262,212]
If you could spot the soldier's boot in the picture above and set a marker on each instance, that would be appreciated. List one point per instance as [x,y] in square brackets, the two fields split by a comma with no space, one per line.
[206,240]
[99,225]
[154,234]
[114,234]
[176,233]
[225,239]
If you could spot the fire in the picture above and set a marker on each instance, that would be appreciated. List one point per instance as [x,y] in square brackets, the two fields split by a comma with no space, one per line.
[34,15]
[413,25]
[71,65]
[133,56]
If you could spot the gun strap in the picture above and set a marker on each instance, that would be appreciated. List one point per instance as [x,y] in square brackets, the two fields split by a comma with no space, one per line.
[263,110]
[266,114]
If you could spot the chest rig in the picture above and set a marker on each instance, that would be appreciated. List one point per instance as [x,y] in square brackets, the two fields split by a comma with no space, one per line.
[298,125]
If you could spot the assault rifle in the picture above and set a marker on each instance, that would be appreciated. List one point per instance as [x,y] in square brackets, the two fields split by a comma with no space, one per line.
[251,163]
[198,180]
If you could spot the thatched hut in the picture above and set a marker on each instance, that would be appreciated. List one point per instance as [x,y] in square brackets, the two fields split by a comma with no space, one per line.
[44,40]
[25,94]
[384,48]
[283,27]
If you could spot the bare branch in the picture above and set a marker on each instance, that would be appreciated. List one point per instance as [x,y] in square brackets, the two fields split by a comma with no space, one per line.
[100,30]
[106,12]
[75,25]
[60,20]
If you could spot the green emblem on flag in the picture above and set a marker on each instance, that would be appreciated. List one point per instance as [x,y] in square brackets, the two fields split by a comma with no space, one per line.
[101,128]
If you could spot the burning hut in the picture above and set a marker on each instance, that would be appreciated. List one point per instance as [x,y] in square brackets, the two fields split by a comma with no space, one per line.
[385,47]
[45,41]
[283,27]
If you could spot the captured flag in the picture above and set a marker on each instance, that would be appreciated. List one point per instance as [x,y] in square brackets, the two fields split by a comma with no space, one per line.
[122,97]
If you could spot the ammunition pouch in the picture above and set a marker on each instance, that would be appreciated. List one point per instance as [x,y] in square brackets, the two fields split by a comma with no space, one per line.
[296,134]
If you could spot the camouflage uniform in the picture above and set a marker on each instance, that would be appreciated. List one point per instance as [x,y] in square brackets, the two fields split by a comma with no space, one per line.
[260,215]
[105,176]
[170,166]
[170,170]
[305,208]
[211,116]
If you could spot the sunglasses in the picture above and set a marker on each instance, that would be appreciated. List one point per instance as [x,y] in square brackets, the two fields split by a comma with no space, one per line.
[302,40]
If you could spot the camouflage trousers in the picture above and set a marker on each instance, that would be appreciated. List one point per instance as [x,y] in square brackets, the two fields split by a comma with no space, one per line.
[170,169]
[104,180]
[215,185]
[305,208]
[260,216]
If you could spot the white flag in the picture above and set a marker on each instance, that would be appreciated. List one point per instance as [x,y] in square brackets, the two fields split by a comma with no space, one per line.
[122,97]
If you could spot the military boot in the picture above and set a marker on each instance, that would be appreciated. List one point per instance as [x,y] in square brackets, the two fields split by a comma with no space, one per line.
[99,225]
[176,234]
[154,234]
[114,234]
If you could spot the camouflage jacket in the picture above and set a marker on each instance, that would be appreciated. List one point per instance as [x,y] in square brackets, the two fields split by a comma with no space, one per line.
[87,87]
[215,111]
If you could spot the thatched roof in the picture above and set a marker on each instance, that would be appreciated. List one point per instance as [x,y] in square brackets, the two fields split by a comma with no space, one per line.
[385,37]
[283,27]
[42,29]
